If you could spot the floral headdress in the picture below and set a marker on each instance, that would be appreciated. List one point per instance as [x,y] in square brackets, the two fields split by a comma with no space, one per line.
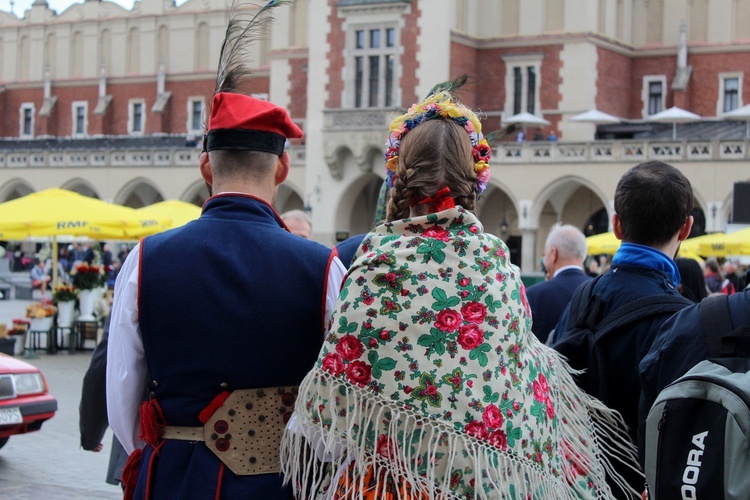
[440,105]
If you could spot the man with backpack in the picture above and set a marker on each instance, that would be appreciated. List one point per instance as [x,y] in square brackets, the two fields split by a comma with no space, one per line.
[612,320]
[694,418]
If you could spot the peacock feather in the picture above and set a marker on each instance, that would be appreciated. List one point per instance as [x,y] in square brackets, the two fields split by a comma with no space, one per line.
[244,29]
[450,85]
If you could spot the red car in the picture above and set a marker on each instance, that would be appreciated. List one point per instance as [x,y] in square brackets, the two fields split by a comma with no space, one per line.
[25,401]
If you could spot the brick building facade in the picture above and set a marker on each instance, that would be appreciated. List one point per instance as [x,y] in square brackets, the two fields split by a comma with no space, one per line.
[77,79]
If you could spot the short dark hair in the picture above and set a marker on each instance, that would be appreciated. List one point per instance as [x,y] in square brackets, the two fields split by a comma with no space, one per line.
[652,200]
[242,163]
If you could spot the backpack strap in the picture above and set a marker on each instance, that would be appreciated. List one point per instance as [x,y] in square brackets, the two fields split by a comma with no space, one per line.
[639,309]
[716,321]
[583,311]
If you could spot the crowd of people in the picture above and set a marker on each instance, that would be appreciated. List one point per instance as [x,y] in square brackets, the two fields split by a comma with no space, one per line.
[72,255]
[245,360]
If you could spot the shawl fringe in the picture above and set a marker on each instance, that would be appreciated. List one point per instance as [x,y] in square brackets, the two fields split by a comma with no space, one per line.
[591,437]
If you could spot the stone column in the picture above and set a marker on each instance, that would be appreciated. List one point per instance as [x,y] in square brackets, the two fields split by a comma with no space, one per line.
[528,250]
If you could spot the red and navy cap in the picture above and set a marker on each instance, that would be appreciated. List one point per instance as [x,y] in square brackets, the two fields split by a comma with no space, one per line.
[243,123]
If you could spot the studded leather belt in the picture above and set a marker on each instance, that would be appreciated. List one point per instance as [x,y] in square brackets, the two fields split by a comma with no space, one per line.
[245,432]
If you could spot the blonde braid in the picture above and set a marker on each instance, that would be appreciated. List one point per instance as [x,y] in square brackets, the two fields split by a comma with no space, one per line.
[401,195]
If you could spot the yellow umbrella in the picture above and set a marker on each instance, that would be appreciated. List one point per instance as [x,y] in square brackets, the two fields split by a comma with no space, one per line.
[179,212]
[696,244]
[607,243]
[55,212]
[604,243]
[737,243]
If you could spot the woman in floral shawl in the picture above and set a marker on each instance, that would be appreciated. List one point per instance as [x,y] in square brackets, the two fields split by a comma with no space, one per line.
[430,383]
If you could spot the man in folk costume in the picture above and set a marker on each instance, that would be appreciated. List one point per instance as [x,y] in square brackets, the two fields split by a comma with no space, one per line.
[216,322]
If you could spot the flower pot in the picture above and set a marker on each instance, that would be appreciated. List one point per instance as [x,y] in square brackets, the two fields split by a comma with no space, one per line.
[41,324]
[86,303]
[66,313]
[20,344]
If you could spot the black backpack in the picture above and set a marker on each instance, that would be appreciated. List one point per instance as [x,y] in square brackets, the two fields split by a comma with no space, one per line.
[586,311]
[698,429]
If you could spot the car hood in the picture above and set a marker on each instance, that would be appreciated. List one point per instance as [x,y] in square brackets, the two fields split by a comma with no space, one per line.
[10,364]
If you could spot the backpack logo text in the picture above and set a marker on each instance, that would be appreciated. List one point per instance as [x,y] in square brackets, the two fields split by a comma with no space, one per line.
[690,476]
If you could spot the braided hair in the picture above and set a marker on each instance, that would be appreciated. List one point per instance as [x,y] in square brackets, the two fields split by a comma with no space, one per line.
[434,155]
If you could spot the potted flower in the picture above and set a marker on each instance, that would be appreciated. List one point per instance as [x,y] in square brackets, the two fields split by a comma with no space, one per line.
[40,315]
[87,278]
[65,295]
[20,327]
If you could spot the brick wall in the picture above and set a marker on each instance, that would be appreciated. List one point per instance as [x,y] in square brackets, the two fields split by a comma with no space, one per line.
[409,60]
[613,83]
[704,90]
[336,42]
[647,66]
[298,90]
[464,61]
[13,99]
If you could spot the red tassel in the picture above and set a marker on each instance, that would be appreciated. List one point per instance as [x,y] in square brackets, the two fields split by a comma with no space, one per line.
[152,422]
[213,406]
[129,475]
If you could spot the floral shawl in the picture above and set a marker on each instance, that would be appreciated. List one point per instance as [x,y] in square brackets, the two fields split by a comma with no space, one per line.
[430,373]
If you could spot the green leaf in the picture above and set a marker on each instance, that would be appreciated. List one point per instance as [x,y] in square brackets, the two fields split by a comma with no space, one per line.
[387,363]
[453,301]
[438,294]
[492,305]
[345,326]
[439,348]
[389,238]
[539,411]
[376,372]
[438,255]
[485,348]
[482,358]
[489,396]
[372,357]
[425,340]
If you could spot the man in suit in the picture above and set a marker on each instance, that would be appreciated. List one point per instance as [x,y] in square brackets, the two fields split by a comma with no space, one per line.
[564,253]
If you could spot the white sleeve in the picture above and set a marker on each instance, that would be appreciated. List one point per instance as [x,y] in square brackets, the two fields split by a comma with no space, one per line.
[336,274]
[126,365]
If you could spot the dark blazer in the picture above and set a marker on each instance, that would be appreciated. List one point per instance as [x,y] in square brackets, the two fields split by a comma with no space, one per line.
[548,300]
[93,409]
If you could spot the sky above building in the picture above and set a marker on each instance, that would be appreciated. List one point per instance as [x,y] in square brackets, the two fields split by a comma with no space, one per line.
[18,7]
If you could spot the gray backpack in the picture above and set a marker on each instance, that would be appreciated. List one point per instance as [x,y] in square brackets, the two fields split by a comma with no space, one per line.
[698,429]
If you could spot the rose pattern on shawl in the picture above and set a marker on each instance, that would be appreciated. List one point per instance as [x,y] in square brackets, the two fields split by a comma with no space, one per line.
[332,363]
[474,312]
[442,339]
[470,336]
[448,320]
[349,347]
[437,232]
[358,372]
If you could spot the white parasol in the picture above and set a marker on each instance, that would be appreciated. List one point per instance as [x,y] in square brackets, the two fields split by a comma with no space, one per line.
[526,119]
[597,117]
[674,115]
[740,114]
